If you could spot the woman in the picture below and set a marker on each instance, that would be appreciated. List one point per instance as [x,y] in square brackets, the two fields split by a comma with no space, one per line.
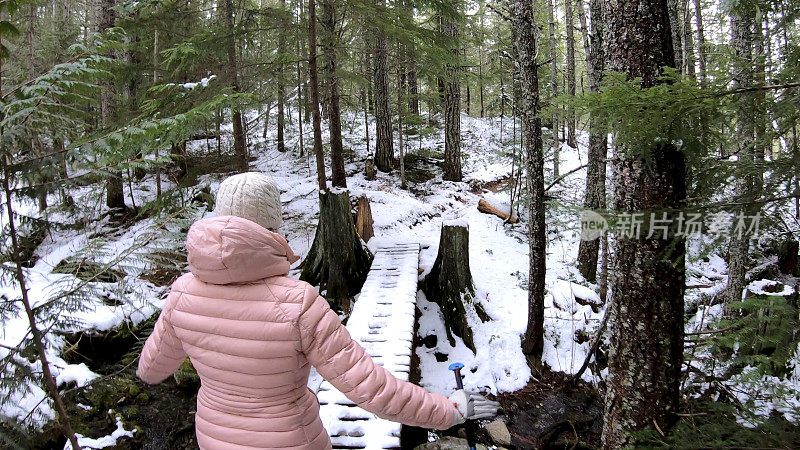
[253,334]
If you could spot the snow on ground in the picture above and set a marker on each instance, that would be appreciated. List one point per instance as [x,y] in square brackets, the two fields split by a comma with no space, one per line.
[498,256]
[105,441]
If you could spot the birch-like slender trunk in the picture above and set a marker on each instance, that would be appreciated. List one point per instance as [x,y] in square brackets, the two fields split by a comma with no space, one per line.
[525,36]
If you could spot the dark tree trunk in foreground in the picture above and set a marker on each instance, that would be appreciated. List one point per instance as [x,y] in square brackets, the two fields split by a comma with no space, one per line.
[338,261]
[384,151]
[742,21]
[525,37]
[595,196]
[449,283]
[452,107]
[239,139]
[115,197]
[314,88]
[646,337]
[338,177]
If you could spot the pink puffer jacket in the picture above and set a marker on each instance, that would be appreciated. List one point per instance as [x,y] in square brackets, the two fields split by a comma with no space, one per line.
[253,334]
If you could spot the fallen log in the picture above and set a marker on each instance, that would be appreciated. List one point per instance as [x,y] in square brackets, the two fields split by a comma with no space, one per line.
[486,208]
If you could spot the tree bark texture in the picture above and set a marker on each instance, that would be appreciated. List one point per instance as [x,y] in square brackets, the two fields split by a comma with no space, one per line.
[688,41]
[364,220]
[646,338]
[555,127]
[239,138]
[314,88]
[338,261]
[701,39]
[595,194]
[338,176]
[115,197]
[569,25]
[452,106]
[281,82]
[449,284]
[384,151]
[675,21]
[742,22]
[525,45]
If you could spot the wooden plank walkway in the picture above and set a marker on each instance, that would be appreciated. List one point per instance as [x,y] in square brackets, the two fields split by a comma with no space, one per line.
[382,321]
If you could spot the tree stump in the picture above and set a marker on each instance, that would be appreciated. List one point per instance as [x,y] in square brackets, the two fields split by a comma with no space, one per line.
[364,219]
[338,261]
[449,283]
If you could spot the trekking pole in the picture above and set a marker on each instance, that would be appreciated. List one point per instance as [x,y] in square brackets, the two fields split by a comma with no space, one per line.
[468,425]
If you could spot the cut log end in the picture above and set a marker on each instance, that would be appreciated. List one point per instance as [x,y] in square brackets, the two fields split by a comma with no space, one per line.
[486,208]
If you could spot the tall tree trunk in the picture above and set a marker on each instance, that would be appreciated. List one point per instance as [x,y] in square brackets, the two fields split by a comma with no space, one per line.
[239,138]
[300,97]
[595,194]
[314,88]
[675,21]
[570,74]
[365,90]
[701,39]
[555,127]
[413,83]
[688,40]
[281,87]
[646,339]
[742,22]
[401,88]
[410,75]
[115,198]
[525,44]
[482,12]
[452,105]
[155,81]
[384,151]
[339,178]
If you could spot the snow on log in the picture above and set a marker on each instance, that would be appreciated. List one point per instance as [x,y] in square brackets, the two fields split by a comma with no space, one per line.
[486,208]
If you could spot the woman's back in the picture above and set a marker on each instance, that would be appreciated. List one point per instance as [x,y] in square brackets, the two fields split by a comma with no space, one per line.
[253,333]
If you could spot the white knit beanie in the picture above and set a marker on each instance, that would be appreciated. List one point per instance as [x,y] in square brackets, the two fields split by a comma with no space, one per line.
[252,196]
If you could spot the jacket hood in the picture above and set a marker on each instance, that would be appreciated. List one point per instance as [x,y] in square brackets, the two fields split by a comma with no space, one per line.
[230,249]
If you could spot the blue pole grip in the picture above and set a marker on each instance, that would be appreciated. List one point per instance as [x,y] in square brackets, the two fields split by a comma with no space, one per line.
[456,368]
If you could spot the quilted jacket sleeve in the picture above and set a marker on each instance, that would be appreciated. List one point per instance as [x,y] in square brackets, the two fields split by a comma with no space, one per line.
[163,352]
[344,363]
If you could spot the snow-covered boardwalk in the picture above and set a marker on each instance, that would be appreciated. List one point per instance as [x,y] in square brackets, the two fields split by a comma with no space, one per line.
[382,321]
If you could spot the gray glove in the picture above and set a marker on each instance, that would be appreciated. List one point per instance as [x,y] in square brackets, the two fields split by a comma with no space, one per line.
[471,406]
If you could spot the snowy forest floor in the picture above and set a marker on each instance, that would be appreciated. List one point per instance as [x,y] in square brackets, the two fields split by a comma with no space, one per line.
[93,356]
